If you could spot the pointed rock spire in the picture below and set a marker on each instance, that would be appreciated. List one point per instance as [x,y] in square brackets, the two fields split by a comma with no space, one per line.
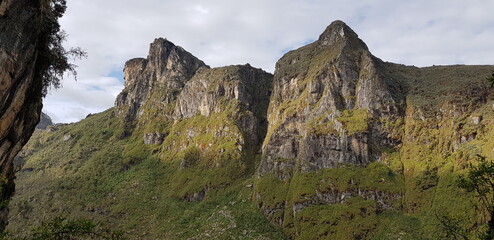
[166,69]
[315,88]
[340,33]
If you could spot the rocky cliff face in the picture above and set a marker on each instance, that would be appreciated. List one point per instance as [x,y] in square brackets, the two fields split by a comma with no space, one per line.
[344,126]
[20,92]
[166,69]
[210,90]
[172,85]
[202,118]
[329,105]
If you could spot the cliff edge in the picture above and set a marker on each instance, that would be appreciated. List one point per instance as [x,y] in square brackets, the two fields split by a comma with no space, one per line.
[20,90]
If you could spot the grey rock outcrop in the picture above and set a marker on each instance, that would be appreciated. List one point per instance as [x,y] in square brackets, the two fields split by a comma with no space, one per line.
[153,138]
[20,91]
[164,71]
[171,85]
[333,109]
[44,121]
[210,90]
[329,105]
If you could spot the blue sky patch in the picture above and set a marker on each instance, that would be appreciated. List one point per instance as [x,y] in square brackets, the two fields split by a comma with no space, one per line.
[118,74]
[94,88]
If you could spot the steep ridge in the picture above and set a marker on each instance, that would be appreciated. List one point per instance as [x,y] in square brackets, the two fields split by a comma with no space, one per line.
[332,94]
[219,119]
[330,109]
[208,91]
[166,68]
[195,115]
[336,145]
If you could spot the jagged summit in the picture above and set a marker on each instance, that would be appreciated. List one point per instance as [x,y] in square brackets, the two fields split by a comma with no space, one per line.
[162,42]
[338,32]
[172,85]
[166,68]
[44,121]
[171,60]
[326,83]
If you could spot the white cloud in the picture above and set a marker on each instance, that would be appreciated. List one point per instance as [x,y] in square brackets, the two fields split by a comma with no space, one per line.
[223,32]
[77,99]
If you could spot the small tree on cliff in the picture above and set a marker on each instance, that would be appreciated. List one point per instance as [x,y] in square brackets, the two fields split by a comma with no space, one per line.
[480,180]
[53,60]
[491,80]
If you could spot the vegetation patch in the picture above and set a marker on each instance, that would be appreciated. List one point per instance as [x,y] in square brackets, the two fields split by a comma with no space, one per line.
[322,204]
[321,125]
[355,120]
[354,220]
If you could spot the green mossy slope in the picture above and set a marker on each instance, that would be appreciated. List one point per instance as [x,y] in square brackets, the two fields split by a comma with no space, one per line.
[95,174]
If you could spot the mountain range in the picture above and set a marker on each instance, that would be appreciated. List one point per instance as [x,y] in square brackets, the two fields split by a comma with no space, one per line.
[337,144]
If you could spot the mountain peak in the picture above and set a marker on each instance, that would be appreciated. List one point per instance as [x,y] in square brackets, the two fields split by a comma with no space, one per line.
[163,51]
[161,43]
[166,69]
[44,121]
[338,32]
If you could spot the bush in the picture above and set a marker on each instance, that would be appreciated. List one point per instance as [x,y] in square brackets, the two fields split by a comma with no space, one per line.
[61,228]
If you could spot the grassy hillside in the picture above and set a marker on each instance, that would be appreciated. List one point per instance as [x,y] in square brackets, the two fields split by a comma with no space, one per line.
[84,170]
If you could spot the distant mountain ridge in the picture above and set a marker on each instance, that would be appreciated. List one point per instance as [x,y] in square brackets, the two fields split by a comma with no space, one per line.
[337,144]
[44,121]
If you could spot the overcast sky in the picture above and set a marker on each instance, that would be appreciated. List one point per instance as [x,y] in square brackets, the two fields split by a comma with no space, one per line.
[259,32]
